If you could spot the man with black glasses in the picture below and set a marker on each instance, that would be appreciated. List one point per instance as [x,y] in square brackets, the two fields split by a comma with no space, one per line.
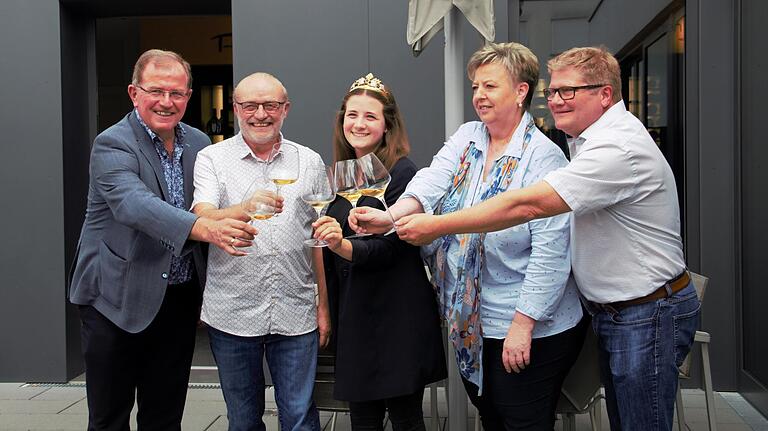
[263,305]
[139,267]
[627,254]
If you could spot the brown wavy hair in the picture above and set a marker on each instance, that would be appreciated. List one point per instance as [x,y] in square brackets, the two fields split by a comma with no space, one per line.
[394,144]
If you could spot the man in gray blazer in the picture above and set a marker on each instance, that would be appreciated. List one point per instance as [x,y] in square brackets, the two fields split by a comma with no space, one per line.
[140,266]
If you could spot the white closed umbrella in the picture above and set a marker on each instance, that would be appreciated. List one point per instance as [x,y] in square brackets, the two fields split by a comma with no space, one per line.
[425,19]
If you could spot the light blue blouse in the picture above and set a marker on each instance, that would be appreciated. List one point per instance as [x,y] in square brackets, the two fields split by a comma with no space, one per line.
[527,266]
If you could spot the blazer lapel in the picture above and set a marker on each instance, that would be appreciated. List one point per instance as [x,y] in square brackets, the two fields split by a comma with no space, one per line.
[148,149]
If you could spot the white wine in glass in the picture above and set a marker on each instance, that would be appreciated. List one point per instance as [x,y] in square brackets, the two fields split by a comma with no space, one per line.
[349,180]
[376,178]
[320,194]
[284,165]
[260,200]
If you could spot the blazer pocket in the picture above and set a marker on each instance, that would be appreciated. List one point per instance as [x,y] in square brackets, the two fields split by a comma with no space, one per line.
[112,271]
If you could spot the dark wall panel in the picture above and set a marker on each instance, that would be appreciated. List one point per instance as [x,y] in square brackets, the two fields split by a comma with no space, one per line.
[316,54]
[32,278]
[711,174]
[754,206]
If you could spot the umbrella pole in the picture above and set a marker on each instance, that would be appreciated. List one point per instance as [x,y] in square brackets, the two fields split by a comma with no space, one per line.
[454,71]
[454,117]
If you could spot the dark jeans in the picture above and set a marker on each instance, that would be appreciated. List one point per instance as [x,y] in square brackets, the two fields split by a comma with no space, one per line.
[526,400]
[150,367]
[404,412]
[292,363]
[640,348]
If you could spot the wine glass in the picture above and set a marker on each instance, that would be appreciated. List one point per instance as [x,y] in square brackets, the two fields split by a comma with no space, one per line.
[322,189]
[284,165]
[260,199]
[376,178]
[349,180]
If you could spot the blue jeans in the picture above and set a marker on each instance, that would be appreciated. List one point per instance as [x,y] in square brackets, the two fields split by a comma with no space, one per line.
[292,363]
[641,348]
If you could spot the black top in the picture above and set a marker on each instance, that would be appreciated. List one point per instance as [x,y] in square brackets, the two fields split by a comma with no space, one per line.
[385,316]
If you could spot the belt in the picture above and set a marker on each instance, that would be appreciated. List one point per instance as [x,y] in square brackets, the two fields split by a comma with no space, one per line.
[668,289]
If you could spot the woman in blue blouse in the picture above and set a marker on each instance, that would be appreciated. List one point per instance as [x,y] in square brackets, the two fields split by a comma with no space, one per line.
[514,315]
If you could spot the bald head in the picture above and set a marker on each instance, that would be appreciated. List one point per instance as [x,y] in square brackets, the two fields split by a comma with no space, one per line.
[259,81]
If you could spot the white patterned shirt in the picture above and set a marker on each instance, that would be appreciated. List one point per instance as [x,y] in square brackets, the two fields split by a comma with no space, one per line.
[271,290]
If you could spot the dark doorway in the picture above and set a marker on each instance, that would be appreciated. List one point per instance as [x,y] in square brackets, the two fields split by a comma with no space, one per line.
[100,43]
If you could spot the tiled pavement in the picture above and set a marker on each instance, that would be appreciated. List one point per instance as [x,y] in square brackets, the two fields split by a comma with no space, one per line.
[63,407]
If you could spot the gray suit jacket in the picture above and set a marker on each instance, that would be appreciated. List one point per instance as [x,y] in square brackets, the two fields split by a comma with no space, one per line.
[123,259]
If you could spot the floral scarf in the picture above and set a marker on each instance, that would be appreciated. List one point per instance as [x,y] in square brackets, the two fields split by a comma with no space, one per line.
[465,330]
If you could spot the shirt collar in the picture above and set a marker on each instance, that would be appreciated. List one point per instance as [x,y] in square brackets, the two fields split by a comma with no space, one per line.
[179,131]
[613,113]
[515,146]
[243,150]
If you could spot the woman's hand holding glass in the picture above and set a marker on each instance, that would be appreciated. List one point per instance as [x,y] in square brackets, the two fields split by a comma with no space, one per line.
[322,188]
[327,229]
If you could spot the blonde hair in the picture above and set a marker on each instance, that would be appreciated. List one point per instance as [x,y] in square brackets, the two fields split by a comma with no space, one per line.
[520,62]
[595,64]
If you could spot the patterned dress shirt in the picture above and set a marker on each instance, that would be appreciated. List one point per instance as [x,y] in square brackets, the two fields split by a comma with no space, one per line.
[181,266]
[272,289]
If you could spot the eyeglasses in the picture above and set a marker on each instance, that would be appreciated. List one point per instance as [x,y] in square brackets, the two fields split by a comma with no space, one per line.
[157,93]
[251,107]
[568,93]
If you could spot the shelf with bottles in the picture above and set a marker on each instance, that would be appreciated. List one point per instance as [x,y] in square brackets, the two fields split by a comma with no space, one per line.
[216,115]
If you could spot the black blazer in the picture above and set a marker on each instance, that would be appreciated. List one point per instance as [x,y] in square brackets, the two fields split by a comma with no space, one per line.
[388,339]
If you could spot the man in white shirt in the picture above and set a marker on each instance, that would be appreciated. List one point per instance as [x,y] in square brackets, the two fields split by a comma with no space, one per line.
[263,303]
[626,252]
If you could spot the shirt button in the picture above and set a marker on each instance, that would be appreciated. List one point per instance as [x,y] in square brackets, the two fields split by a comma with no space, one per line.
[165,275]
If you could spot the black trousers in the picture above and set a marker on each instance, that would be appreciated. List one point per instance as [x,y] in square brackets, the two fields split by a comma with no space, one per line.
[526,400]
[405,413]
[150,367]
